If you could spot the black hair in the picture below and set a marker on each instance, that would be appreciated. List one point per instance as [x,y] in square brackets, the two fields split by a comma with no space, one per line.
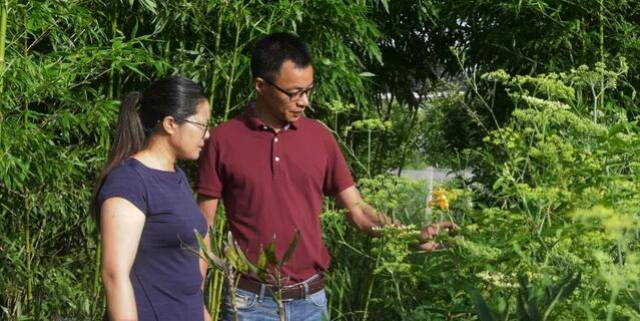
[140,114]
[270,52]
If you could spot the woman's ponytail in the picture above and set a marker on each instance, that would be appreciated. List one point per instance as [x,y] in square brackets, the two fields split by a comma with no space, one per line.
[129,138]
[130,135]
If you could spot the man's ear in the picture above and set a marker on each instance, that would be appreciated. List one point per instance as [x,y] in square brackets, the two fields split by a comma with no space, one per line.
[169,125]
[258,84]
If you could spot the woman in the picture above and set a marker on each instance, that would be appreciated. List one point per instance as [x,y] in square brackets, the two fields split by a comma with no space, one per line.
[145,206]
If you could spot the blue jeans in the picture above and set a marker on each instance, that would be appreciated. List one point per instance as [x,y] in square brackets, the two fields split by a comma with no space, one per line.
[255,307]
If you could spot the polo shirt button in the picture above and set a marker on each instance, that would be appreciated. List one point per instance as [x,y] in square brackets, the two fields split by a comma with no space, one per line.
[275,140]
[277,159]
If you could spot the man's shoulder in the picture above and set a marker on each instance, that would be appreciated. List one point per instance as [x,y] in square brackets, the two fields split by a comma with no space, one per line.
[316,126]
[231,126]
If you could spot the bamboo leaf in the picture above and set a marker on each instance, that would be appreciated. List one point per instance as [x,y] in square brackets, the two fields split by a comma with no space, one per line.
[246,263]
[150,5]
[262,260]
[212,259]
[271,253]
[291,248]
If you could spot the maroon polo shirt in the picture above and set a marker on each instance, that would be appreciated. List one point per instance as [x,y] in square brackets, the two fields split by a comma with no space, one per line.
[272,184]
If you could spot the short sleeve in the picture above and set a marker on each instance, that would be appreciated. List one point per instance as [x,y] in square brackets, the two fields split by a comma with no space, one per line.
[337,176]
[124,182]
[209,182]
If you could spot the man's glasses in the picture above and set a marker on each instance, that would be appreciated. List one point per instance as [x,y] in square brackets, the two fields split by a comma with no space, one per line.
[294,96]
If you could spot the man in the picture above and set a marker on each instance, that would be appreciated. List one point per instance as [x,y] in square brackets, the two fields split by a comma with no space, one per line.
[271,166]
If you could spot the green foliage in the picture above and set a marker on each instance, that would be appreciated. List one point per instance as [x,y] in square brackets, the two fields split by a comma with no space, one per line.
[63,67]
[557,169]
[544,115]
[533,303]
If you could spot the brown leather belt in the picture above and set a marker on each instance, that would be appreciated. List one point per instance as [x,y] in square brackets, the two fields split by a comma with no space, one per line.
[294,291]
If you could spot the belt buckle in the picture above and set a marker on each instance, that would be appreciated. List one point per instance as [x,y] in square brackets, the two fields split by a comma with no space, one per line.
[295,291]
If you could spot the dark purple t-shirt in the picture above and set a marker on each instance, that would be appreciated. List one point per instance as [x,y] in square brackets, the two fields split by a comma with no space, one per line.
[165,274]
[272,185]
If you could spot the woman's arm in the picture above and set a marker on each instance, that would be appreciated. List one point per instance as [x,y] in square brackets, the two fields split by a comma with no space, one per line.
[121,225]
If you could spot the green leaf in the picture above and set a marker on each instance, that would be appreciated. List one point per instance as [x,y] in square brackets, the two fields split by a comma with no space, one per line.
[200,239]
[560,292]
[262,260]
[482,308]
[150,5]
[271,253]
[291,248]
[385,5]
[231,255]
[246,264]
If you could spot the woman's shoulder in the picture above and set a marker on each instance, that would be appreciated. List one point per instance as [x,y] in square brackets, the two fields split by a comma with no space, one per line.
[128,170]
[125,181]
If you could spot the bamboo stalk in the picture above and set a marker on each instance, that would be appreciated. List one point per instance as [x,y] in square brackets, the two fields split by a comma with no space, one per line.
[28,254]
[4,8]
[95,293]
[369,153]
[218,282]
[214,72]
[601,98]
[234,64]
[112,76]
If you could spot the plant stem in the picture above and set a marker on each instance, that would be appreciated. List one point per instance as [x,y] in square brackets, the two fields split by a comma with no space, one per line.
[234,63]
[214,72]
[369,152]
[281,312]
[216,290]
[27,232]
[113,36]
[429,198]
[233,285]
[4,8]
[96,275]
[612,300]
[370,289]
[601,98]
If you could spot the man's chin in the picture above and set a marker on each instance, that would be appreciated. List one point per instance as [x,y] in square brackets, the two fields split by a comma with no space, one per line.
[294,118]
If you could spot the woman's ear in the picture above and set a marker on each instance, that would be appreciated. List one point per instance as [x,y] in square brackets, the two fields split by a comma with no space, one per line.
[169,125]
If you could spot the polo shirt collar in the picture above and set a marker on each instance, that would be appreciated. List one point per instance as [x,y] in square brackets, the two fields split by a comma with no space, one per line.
[252,121]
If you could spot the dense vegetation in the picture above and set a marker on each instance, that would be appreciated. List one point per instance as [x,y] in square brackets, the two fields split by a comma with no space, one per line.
[536,98]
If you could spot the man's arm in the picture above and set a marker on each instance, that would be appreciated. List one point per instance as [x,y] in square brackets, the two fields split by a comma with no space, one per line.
[361,214]
[365,217]
[208,206]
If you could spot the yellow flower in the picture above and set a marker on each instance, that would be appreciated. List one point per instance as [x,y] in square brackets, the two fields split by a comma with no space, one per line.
[439,199]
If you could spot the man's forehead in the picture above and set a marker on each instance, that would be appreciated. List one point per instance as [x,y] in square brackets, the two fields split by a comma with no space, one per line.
[291,73]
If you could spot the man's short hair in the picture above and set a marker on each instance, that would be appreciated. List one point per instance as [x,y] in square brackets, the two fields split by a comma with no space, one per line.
[270,52]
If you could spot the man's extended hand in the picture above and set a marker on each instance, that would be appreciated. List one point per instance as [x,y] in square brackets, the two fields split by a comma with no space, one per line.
[428,233]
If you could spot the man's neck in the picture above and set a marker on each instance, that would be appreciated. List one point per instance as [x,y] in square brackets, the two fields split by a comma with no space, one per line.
[268,119]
